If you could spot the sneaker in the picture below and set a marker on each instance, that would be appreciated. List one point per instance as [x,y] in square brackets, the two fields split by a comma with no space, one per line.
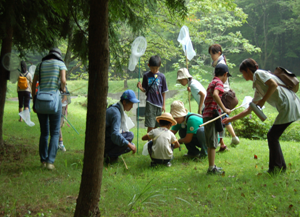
[168,164]
[215,171]
[50,166]
[192,156]
[62,147]
[235,141]
[222,149]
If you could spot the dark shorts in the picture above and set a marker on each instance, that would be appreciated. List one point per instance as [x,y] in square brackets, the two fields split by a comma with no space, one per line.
[211,135]
[24,97]
[151,113]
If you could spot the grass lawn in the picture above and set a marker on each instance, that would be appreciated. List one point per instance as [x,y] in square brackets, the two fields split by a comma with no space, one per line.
[184,189]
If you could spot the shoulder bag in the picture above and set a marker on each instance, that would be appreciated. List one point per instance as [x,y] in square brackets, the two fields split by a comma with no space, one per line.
[46,102]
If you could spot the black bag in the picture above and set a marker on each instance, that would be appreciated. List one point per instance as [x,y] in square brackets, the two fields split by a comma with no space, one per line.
[229,99]
[218,122]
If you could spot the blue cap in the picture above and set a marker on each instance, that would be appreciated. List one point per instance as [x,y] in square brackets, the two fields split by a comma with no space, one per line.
[221,69]
[130,95]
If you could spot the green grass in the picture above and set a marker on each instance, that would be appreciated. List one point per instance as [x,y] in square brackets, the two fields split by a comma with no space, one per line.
[181,190]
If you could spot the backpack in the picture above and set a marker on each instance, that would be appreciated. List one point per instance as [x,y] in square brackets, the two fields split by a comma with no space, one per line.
[229,99]
[288,78]
[22,81]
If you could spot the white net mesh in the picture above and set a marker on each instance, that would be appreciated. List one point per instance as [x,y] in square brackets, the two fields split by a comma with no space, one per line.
[138,48]
[11,62]
[185,41]
[32,70]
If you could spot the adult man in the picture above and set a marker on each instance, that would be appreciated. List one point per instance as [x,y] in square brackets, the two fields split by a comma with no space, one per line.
[118,139]
[189,131]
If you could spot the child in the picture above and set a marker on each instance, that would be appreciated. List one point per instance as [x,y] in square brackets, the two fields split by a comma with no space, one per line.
[194,86]
[160,148]
[217,56]
[267,89]
[64,103]
[154,85]
[213,102]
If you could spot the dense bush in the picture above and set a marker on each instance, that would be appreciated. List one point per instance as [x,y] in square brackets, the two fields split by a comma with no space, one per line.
[252,127]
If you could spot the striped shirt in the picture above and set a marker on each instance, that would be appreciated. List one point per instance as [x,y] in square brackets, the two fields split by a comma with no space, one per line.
[210,103]
[50,74]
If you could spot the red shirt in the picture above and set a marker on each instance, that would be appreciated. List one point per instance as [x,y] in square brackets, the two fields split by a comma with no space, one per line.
[209,102]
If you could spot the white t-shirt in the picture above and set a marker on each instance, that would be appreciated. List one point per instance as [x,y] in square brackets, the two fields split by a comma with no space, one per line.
[221,61]
[284,100]
[162,140]
[196,87]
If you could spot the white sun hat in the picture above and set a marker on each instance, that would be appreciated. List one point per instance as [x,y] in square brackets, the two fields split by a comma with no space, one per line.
[178,110]
[183,73]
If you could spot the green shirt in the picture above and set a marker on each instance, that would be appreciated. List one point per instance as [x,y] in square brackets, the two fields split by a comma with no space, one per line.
[191,126]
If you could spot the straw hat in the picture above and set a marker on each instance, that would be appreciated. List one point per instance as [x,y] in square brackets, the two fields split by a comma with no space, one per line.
[183,74]
[166,117]
[178,110]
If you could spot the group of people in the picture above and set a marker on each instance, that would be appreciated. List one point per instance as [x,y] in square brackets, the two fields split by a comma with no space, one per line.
[202,141]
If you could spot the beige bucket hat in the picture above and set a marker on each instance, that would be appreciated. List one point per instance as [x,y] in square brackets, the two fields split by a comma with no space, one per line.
[166,117]
[178,110]
[183,73]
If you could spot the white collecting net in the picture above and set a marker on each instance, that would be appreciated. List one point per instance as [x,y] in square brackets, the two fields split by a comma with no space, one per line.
[11,62]
[185,41]
[31,70]
[25,115]
[138,48]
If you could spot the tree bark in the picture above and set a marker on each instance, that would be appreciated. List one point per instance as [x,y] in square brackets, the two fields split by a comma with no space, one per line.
[91,179]
[5,48]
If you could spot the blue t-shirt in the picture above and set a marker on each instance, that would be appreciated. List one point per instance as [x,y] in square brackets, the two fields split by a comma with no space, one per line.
[154,94]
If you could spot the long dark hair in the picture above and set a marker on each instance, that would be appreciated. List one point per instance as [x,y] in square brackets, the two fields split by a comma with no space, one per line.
[250,64]
[23,67]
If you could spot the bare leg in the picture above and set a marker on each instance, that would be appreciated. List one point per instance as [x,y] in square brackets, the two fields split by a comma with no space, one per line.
[211,153]
[230,130]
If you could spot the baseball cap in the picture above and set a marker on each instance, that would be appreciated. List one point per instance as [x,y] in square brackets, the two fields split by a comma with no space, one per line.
[130,95]
[221,69]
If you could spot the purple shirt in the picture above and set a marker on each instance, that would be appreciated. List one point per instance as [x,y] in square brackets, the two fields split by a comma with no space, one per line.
[154,94]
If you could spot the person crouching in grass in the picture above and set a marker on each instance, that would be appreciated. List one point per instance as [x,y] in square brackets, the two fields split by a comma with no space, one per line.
[212,104]
[163,141]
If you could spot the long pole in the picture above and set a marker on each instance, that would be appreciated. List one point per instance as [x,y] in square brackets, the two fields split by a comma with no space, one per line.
[138,113]
[187,67]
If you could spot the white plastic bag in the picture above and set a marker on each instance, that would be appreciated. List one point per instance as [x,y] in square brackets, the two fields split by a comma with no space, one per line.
[138,48]
[185,41]
[145,150]
[25,115]
[129,122]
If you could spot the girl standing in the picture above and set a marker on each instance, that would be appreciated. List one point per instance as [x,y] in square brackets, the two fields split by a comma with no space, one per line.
[284,100]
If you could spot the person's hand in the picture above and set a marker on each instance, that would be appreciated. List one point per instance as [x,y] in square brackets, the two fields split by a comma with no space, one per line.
[139,85]
[226,120]
[189,89]
[260,103]
[227,111]
[132,147]
[163,109]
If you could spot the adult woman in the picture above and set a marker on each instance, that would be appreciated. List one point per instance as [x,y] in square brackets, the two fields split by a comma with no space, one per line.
[285,101]
[24,93]
[51,69]
[189,131]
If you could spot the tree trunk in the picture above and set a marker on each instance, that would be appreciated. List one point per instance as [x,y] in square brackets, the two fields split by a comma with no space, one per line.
[91,179]
[5,48]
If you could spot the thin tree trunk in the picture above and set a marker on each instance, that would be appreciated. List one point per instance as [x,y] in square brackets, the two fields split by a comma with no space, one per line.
[5,48]
[91,179]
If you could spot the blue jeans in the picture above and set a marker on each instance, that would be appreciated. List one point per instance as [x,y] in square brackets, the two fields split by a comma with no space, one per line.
[48,154]
[113,150]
